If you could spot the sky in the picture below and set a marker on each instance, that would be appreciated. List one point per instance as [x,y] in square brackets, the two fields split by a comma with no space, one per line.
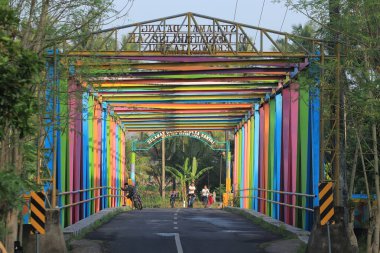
[248,11]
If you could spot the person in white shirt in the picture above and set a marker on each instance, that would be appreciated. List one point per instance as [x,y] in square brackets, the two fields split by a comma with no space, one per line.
[205,193]
[191,195]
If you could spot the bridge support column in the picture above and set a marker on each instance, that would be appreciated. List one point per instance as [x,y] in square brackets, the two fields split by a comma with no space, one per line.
[228,172]
[133,162]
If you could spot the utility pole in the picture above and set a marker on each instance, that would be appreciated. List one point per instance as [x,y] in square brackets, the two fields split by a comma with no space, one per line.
[163,166]
[54,90]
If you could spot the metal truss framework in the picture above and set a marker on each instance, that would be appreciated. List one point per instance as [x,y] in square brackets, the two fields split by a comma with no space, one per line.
[191,72]
[188,71]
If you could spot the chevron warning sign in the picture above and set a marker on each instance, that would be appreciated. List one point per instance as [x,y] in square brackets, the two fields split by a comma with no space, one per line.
[326,205]
[37,211]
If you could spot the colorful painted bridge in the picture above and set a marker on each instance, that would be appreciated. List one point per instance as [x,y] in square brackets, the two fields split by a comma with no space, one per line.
[187,72]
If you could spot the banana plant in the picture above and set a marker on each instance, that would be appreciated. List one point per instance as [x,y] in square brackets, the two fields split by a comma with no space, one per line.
[185,173]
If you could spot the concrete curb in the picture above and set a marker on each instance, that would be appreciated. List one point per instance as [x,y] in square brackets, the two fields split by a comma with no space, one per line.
[300,233]
[78,227]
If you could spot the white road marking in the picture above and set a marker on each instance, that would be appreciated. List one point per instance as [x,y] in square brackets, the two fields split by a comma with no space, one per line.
[175,227]
[175,214]
[177,240]
[175,223]
[175,218]
[239,231]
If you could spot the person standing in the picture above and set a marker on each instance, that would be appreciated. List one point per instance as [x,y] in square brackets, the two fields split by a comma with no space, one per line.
[205,193]
[173,196]
[191,195]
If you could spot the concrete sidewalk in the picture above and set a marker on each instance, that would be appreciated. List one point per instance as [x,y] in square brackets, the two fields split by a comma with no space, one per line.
[86,225]
[287,245]
[77,228]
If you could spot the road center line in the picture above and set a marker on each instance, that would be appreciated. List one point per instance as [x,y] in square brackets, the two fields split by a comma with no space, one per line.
[178,243]
[177,240]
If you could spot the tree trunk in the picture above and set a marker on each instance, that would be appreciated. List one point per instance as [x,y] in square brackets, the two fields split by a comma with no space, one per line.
[351,217]
[353,171]
[375,246]
[370,224]
[11,226]
[42,26]
[2,248]
[26,38]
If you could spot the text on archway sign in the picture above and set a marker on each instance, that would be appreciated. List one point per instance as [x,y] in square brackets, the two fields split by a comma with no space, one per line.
[179,38]
[194,134]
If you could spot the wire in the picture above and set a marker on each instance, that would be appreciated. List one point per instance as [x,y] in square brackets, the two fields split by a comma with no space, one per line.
[130,7]
[236,5]
[261,14]
[328,27]
[283,20]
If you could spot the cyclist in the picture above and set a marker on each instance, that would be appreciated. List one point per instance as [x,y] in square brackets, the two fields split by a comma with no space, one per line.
[132,195]
[191,195]
[129,189]
[205,193]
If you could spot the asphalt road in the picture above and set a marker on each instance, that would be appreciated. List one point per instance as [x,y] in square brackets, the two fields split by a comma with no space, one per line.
[181,230]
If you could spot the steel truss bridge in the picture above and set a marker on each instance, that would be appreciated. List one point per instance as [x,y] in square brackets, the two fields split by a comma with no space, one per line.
[187,72]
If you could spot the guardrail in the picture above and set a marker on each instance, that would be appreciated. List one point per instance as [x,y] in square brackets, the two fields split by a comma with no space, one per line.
[297,194]
[117,194]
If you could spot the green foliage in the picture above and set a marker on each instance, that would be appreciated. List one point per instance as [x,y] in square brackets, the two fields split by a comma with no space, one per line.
[185,173]
[188,173]
[297,43]
[219,191]
[12,186]
[19,69]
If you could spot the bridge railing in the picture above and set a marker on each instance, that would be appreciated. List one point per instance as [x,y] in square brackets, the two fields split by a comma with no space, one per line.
[297,194]
[118,193]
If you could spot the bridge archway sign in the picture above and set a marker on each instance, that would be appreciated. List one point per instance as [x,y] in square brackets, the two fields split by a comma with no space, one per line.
[160,136]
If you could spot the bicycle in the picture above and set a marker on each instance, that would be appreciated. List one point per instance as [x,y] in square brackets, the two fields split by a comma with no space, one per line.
[137,203]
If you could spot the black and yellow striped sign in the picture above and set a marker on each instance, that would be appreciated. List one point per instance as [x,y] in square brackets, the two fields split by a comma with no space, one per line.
[326,203]
[38,212]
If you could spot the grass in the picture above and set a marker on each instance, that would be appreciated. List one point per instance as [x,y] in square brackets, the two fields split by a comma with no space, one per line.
[302,248]
[153,199]
[281,230]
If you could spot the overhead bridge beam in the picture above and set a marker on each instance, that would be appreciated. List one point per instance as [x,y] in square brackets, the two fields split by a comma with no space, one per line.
[123,54]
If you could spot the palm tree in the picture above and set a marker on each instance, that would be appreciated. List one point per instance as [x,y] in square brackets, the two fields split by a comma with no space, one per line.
[297,43]
[185,173]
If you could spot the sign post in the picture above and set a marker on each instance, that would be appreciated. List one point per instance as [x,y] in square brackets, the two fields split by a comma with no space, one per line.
[326,206]
[38,215]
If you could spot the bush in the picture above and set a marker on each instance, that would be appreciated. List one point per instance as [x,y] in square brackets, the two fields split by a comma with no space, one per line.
[12,186]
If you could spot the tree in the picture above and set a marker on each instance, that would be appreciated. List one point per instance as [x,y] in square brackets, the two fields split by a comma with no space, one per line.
[354,26]
[19,69]
[298,44]
[27,28]
[186,173]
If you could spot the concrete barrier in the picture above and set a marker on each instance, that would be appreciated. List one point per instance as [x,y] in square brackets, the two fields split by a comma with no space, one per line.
[52,241]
